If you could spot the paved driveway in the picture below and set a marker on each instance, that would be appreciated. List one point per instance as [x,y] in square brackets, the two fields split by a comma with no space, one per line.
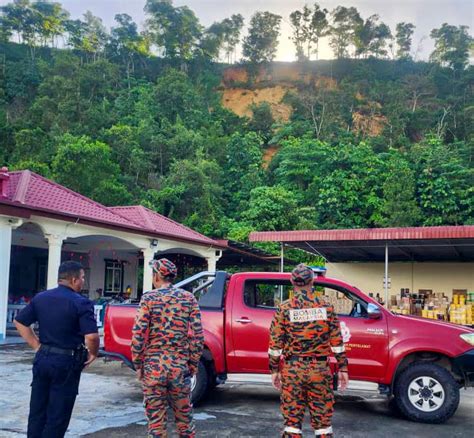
[109,405]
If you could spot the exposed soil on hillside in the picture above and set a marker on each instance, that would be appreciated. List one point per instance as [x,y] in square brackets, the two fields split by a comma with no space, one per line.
[268,155]
[271,86]
[239,100]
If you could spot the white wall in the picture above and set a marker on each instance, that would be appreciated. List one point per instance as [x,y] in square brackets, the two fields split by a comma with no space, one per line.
[439,277]
[97,272]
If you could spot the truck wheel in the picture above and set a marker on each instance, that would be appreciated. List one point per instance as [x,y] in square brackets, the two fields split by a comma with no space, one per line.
[427,393]
[199,383]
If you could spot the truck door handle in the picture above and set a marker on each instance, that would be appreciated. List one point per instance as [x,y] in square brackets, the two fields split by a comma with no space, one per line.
[243,320]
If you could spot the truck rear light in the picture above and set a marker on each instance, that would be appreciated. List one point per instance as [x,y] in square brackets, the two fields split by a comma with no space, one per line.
[468,337]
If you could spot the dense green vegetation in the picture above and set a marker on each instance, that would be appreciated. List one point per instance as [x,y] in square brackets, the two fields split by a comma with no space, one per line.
[107,118]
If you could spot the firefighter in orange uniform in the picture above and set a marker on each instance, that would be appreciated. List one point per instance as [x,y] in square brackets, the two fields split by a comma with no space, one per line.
[167,344]
[305,331]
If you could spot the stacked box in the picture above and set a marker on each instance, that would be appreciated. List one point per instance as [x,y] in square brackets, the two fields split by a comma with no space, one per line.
[461,309]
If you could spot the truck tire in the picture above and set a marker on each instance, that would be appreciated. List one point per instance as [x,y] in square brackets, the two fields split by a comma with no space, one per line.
[426,393]
[199,384]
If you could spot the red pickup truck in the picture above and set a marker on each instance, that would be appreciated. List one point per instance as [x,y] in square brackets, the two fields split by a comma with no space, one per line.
[422,363]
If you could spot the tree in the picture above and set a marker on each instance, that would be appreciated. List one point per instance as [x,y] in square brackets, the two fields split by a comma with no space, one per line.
[242,170]
[88,36]
[444,183]
[128,43]
[419,88]
[260,45]
[124,141]
[86,166]
[341,182]
[176,31]
[16,17]
[33,165]
[232,28]
[371,37]
[51,20]
[452,44]
[271,209]
[191,193]
[342,32]
[22,18]
[95,35]
[403,36]
[176,97]
[33,22]
[319,27]
[262,121]
[222,35]
[212,41]
[318,105]
[74,97]
[296,163]
[399,207]
[32,142]
[309,26]
[299,34]
[75,31]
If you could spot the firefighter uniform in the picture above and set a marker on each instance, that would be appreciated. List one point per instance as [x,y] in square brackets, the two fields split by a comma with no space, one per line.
[167,344]
[304,332]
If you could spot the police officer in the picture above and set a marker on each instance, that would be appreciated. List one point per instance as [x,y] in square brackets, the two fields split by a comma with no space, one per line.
[66,322]
[304,332]
[167,344]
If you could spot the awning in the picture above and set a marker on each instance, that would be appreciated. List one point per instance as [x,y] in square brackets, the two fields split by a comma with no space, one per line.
[421,244]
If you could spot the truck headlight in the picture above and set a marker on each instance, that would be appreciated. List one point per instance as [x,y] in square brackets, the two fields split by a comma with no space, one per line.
[468,337]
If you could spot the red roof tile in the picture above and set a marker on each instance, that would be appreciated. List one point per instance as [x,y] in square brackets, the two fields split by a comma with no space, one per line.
[35,192]
[409,233]
[161,224]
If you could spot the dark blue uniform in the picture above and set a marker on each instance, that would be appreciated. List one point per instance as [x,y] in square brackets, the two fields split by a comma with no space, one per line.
[64,318]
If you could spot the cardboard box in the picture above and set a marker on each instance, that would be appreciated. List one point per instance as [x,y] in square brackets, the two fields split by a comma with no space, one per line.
[460,292]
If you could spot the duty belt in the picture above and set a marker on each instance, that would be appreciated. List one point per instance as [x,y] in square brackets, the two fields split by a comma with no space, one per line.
[307,358]
[56,350]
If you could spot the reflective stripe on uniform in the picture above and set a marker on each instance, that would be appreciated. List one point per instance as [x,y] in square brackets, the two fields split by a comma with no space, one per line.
[318,432]
[340,349]
[274,352]
[290,429]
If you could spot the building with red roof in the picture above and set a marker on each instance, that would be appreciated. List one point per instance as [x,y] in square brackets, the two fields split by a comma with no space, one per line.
[43,223]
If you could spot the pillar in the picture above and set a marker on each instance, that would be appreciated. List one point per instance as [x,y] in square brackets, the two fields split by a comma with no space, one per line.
[212,261]
[148,255]
[5,251]
[55,244]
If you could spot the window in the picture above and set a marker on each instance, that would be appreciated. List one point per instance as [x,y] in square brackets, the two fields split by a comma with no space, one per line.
[344,302]
[113,277]
[200,286]
[266,294]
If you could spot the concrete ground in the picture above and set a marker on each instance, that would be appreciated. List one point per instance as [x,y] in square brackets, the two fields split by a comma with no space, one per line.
[110,405]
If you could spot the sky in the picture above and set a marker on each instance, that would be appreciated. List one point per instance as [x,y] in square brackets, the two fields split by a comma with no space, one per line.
[425,14]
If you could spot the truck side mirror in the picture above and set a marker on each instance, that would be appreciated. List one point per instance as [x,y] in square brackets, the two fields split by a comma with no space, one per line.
[373,311]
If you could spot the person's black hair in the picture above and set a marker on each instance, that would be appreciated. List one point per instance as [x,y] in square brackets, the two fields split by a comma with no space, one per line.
[69,270]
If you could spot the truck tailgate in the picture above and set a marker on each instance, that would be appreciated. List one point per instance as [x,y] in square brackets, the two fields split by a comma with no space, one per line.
[118,324]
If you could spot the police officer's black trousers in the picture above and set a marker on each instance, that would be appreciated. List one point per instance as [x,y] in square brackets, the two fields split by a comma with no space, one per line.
[53,393]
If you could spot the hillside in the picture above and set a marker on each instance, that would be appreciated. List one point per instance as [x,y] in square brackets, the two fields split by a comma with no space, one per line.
[226,150]
[273,85]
